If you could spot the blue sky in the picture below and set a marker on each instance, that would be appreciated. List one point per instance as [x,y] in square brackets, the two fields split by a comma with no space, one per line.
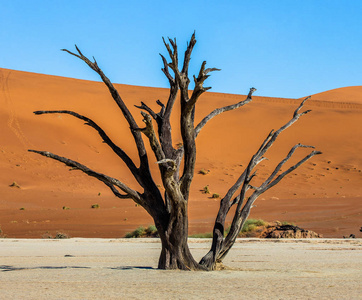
[283,48]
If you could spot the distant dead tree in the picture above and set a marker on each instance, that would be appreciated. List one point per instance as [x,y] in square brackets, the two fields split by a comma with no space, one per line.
[169,210]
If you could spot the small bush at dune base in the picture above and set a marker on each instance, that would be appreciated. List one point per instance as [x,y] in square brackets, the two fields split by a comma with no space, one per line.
[2,235]
[206,190]
[140,232]
[61,235]
[251,224]
[204,172]
[47,235]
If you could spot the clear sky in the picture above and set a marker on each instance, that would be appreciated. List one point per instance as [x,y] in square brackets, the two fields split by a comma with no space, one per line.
[284,48]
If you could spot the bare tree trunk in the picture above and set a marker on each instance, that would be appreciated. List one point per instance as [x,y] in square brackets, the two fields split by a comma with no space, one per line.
[220,245]
[169,211]
[175,253]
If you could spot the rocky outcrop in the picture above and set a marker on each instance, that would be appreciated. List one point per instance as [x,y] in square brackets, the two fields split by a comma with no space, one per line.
[290,232]
[278,230]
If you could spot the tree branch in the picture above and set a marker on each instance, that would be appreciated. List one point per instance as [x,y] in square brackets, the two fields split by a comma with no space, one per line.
[173,55]
[181,81]
[166,71]
[116,192]
[199,82]
[242,212]
[150,133]
[188,52]
[126,159]
[163,109]
[270,182]
[148,109]
[296,112]
[220,245]
[158,117]
[223,109]
[164,126]
[268,142]
[117,98]
[109,181]
[169,164]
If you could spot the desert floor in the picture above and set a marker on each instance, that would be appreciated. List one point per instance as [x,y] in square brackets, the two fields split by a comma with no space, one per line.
[126,269]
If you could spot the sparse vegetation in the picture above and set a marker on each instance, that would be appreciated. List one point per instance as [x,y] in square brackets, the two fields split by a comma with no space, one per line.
[205,190]
[22,208]
[249,229]
[151,230]
[251,225]
[138,232]
[287,223]
[259,228]
[2,235]
[66,207]
[95,205]
[15,185]
[141,232]
[204,172]
[58,235]
[61,235]
[215,195]
[47,235]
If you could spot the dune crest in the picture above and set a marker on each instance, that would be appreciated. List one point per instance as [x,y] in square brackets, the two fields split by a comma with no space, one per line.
[349,94]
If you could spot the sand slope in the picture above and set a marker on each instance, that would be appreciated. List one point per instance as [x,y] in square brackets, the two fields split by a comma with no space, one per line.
[350,94]
[324,195]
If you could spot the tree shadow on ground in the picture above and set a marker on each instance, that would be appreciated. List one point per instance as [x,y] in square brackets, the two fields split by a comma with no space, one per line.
[6,268]
[132,268]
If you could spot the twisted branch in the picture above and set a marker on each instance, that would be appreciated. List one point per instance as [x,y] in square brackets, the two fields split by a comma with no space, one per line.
[218,111]
[221,245]
[107,180]
[150,133]
[126,159]
[117,98]
[199,82]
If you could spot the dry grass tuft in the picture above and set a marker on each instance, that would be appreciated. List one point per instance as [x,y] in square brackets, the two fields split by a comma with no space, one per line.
[15,185]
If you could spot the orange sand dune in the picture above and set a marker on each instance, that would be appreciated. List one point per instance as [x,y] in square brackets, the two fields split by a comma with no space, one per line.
[349,94]
[323,195]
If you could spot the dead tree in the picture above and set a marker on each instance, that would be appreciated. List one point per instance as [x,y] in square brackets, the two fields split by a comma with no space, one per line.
[176,165]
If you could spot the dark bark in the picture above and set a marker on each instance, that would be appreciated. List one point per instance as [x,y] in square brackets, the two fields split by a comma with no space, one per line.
[175,253]
[126,159]
[220,245]
[169,211]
